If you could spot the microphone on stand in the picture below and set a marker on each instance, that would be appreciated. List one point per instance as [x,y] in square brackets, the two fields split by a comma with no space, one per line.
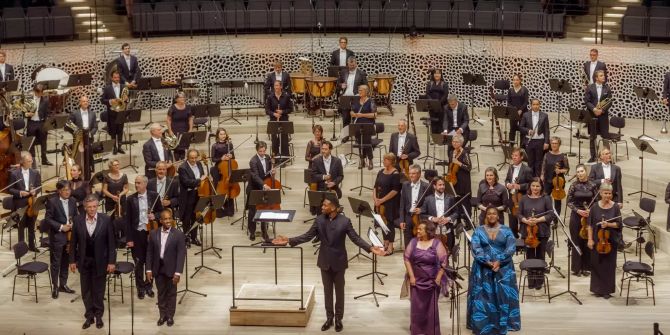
[318,26]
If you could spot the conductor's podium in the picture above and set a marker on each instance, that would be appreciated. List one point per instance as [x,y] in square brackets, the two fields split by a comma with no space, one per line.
[259,305]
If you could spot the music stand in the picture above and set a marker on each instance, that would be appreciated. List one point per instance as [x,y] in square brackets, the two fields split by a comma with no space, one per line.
[434,109]
[196,224]
[231,84]
[9,85]
[315,198]
[647,94]
[473,80]
[643,146]
[262,197]
[359,130]
[102,147]
[124,118]
[579,116]
[360,208]
[55,122]
[82,79]
[50,84]
[508,113]
[560,86]
[345,102]
[146,85]
[216,201]
[241,176]
[280,130]
[334,71]
[194,137]
[203,205]
[507,156]
[372,275]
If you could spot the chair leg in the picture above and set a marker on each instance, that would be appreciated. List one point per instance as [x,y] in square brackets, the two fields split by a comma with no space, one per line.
[626,142]
[622,277]
[546,286]
[646,286]
[628,291]
[35,283]
[653,294]
[121,279]
[14,288]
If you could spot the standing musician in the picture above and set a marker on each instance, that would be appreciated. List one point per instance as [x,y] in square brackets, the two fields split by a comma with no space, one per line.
[36,123]
[460,158]
[93,252]
[127,65]
[28,180]
[433,210]
[535,214]
[580,194]
[604,234]
[666,89]
[348,84]
[386,197]
[517,97]
[61,209]
[403,144]
[80,188]
[112,94]
[555,164]
[139,213]
[154,151]
[179,121]
[410,193]
[166,187]
[191,174]
[221,151]
[518,178]
[261,167]
[437,88]
[340,55]
[606,172]
[115,188]
[364,110]
[491,193]
[314,145]
[535,125]
[592,66]
[85,119]
[6,70]
[277,76]
[595,97]
[277,107]
[455,118]
[327,170]
[166,255]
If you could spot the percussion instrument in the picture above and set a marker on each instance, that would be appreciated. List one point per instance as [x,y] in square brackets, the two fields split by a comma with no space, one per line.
[321,87]
[382,83]
[253,88]
[298,82]
[190,88]
[58,97]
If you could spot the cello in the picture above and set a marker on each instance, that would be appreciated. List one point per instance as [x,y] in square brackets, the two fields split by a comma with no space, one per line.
[225,168]
[206,189]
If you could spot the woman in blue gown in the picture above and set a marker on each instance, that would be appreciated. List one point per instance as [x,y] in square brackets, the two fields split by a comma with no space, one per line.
[493,298]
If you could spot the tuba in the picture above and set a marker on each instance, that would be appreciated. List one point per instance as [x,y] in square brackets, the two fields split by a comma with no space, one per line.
[121,104]
[170,141]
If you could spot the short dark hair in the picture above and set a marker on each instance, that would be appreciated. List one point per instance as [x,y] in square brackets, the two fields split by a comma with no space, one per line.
[124,45]
[343,38]
[62,183]
[330,145]
[39,87]
[261,144]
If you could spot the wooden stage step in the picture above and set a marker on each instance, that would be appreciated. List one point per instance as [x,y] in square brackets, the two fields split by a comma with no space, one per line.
[272,312]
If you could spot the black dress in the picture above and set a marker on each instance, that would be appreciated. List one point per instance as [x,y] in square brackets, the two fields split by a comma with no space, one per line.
[438,90]
[528,207]
[548,166]
[519,100]
[579,196]
[115,186]
[496,197]
[463,183]
[312,150]
[603,266]
[385,183]
[180,125]
[219,149]
[366,108]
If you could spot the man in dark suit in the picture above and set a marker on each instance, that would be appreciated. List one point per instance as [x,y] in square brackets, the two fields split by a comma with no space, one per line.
[348,82]
[93,252]
[36,120]
[61,209]
[28,181]
[154,151]
[140,208]
[518,178]
[535,127]
[166,187]
[84,118]
[410,193]
[327,170]
[191,174]
[128,66]
[278,106]
[340,55]
[165,262]
[592,66]
[277,75]
[261,167]
[455,119]
[6,70]
[607,172]
[666,88]
[600,125]
[403,144]
[433,209]
[112,94]
[331,227]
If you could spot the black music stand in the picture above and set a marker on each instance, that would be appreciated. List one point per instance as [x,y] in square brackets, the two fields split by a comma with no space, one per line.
[102,148]
[241,176]
[334,70]
[580,116]
[372,275]
[359,130]
[508,113]
[196,224]
[647,94]
[50,84]
[124,118]
[315,198]
[560,86]
[507,156]
[262,197]
[571,245]
[643,146]
[231,84]
[203,205]
[146,85]
[9,86]
[209,111]
[82,79]
[194,137]
[473,80]
[55,122]
[360,208]
[434,110]
[216,201]
[280,130]
[345,102]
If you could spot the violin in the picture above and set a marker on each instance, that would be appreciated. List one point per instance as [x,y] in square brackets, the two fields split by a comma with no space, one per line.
[404,163]
[604,246]
[206,189]
[583,229]
[451,177]
[30,211]
[516,199]
[558,184]
[226,167]
[531,233]
[416,218]
[69,237]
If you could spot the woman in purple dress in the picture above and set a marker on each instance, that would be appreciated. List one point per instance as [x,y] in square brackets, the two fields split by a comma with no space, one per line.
[425,260]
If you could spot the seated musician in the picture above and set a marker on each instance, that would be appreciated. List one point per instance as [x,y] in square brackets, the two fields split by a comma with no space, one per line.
[167,187]
[277,107]
[36,123]
[455,119]
[277,75]
[600,124]
[128,66]
[347,84]
[607,172]
[327,170]
[112,94]
[314,145]
[605,217]
[26,187]
[61,209]
[518,178]
[340,55]
[179,121]
[364,110]
[410,193]
[437,88]
[491,193]
[403,144]
[191,175]
[80,188]
[434,209]
[154,151]
[261,168]
[221,151]
[534,128]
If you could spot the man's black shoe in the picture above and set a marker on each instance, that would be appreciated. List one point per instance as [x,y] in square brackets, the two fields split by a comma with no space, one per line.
[54,293]
[87,324]
[66,289]
[98,323]
[338,325]
[170,321]
[327,324]
[161,321]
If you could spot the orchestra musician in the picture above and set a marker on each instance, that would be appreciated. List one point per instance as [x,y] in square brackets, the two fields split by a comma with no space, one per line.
[112,93]
[179,121]
[314,145]
[128,66]
[410,193]
[167,187]
[114,188]
[261,167]
[518,178]
[6,70]
[191,174]
[154,151]
[386,197]
[28,180]
[580,194]
[460,157]
[340,55]
[85,119]
[598,93]
[35,122]
[605,217]
[666,89]
[222,150]
[434,209]
[277,75]
[491,193]
[61,209]
[326,170]
[349,81]
[277,107]
[455,119]
[93,252]
[607,172]
[139,212]
[554,163]
[80,188]
[517,97]
[403,144]
[437,88]
[535,127]
[592,66]
[364,110]
[535,215]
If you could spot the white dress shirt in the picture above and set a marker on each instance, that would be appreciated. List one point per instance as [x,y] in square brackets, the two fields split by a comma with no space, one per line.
[535,116]
[164,236]
[159,148]
[343,57]
[143,205]
[454,113]
[196,171]
[3,70]
[326,163]
[439,204]
[36,116]
[84,118]
[161,185]
[599,90]
[91,224]
[607,172]
[66,206]
[401,142]
[265,168]
[26,178]
[117,90]
[351,80]
[515,175]
[415,194]
[127,59]
[592,70]
[278,76]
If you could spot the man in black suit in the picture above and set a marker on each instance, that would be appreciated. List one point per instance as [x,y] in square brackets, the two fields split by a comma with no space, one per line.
[666,88]
[140,208]
[93,252]
[154,151]
[278,106]
[112,94]
[28,181]
[84,118]
[36,123]
[331,227]
[410,193]
[261,167]
[535,127]
[61,209]
[403,144]
[518,178]
[607,172]
[433,209]
[592,66]
[191,174]
[128,66]
[277,75]
[166,187]
[455,119]
[348,82]
[600,125]
[6,70]
[165,262]
[327,170]
[340,55]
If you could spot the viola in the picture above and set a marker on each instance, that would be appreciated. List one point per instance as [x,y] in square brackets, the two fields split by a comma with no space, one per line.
[583,231]
[604,246]
[404,163]
[558,185]
[451,177]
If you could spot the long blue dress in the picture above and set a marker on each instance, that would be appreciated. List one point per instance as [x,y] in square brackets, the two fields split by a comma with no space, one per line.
[493,297]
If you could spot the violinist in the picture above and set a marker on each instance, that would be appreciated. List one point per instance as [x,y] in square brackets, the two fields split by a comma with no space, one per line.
[261,168]
[24,190]
[60,210]
[154,151]
[191,174]
[114,188]
[555,164]
[433,210]
[385,195]
[519,176]
[314,145]
[35,122]
[604,234]
[535,215]
[364,110]
[534,127]
[80,188]
[140,209]
[404,145]
[410,193]
[327,170]
[167,187]
[222,150]
[607,172]
[491,193]
[277,107]
[580,195]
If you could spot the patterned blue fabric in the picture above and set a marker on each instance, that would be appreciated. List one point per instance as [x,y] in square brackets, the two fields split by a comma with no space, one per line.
[493,297]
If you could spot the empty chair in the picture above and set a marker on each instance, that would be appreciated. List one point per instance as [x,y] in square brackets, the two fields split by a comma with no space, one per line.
[658,22]
[326,14]
[372,10]
[486,16]
[165,17]
[349,14]
[635,22]
[440,16]
[143,18]
[555,23]
[509,16]
[28,270]
[188,16]
[531,19]
[38,20]
[257,15]
[14,23]
[393,15]
[463,14]
[640,271]
[62,21]
[304,15]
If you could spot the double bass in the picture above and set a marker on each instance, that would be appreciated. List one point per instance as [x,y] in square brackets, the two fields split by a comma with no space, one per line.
[8,140]
[225,167]
[206,189]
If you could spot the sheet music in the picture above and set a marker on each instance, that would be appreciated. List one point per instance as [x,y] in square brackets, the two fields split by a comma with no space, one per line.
[274,216]
[380,222]
[374,239]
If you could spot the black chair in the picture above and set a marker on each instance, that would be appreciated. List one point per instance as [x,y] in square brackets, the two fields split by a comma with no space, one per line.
[638,223]
[28,270]
[640,271]
[534,269]
[188,17]
[280,15]
[501,87]
[394,15]
[143,18]
[635,22]
[123,267]
[532,16]
[377,142]
[658,22]
[472,136]
[417,15]
[616,138]
[304,16]
[63,22]
[441,16]
[509,16]
[39,22]
[486,17]
[165,17]
[43,240]
[463,16]
[371,15]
